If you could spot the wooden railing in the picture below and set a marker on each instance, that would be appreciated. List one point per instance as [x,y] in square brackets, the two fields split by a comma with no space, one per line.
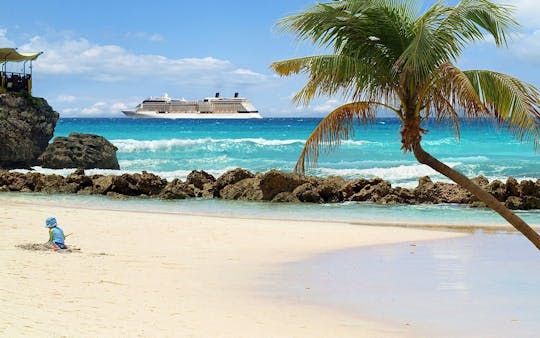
[15,82]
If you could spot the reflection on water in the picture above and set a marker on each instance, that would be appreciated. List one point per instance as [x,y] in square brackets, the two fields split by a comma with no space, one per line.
[484,285]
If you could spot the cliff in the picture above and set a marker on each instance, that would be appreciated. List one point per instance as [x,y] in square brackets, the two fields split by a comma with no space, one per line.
[26,126]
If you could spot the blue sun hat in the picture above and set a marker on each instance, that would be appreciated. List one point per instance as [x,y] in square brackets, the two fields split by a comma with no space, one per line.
[50,222]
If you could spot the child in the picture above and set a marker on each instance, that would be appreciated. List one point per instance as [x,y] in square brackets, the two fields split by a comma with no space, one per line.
[56,235]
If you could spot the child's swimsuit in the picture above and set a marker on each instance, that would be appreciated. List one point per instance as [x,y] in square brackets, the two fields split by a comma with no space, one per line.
[56,235]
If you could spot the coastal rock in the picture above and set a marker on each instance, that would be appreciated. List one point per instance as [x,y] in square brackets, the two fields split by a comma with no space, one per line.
[514,203]
[531,203]
[354,187]
[104,184]
[313,190]
[248,189]
[55,184]
[176,189]
[26,126]
[390,199]
[512,187]
[451,193]
[307,192]
[498,190]
[424,192]
[405,196]
[480,180]
[230,177]
[80,151]
[373,191]
[286,196]
[331,188]
[199,178]
[144,184]
[207,191]
[528,188]
[15,181]
[273,182]
[79,178]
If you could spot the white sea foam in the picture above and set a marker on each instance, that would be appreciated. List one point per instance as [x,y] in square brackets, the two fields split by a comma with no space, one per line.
[442,141]
[131,145]
[405,176]
[473,159]
[361,142]
[402,172]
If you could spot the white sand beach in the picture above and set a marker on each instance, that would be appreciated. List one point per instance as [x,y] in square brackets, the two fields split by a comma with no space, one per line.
[144,274]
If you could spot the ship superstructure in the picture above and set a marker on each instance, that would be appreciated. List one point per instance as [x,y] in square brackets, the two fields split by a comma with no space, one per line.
[213,108]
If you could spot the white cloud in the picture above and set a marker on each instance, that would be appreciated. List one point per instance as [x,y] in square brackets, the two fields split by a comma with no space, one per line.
[66,98]
[525,44]
[326,107]
[67,111]
[4,41]
[96,109]
[118,106]
[145,36]
[526,11]
[109,63]
[111,108]
[528,48]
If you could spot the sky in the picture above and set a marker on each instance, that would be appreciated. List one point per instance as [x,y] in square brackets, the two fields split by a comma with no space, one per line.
[102,57]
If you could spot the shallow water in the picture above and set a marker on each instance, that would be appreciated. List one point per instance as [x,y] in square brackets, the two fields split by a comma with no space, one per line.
[457,216]
[482,285]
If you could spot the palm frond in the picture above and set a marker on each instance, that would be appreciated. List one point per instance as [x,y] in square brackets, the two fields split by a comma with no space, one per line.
[470,17]
[423,55]
[451,90]
[510,101]
[335,127]
[332,74]
[443,31]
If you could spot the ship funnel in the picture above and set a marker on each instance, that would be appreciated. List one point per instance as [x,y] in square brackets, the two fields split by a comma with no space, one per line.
[217,94]
[235,95]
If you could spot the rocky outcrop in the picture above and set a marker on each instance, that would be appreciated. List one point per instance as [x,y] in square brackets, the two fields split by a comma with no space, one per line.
[240,184]
[176,189]
[86,151]
[230,177]
[248,189]
[273,182]
[26,126]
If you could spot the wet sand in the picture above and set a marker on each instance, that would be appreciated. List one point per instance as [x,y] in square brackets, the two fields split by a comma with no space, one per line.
[147,274]
[484,285]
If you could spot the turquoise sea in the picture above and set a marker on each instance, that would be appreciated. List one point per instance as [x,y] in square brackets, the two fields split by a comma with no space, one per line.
[173,148]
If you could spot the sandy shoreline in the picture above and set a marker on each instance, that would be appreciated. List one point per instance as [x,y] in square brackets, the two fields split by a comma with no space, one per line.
[171,275]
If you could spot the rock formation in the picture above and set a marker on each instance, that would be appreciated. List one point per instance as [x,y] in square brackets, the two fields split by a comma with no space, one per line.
[26,126]
[275,186]
[80,151]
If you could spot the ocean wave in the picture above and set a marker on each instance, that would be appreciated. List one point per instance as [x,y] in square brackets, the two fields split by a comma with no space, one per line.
[401,173]
[164,163]
[361,142]
[473,159]
[442,141]
[132,145]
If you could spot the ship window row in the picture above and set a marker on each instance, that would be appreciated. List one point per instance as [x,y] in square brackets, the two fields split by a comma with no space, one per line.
[233,107]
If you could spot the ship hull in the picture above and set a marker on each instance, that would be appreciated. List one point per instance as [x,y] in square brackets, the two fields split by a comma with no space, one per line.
[156,115]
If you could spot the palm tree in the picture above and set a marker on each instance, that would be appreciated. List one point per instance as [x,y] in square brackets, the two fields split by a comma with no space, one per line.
[387,54]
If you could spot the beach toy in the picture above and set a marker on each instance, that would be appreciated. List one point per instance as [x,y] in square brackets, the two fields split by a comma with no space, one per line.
[50,222]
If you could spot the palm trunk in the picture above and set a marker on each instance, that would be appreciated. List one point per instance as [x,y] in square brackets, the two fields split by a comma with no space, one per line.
[425,158]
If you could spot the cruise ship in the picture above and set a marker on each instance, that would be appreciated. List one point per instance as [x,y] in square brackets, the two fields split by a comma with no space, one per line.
[209,108]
